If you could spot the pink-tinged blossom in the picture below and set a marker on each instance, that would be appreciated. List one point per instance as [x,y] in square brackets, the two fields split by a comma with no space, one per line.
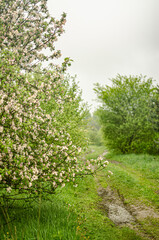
[110,172]
[54,184]
[1,129]
[9,189]
[106,162]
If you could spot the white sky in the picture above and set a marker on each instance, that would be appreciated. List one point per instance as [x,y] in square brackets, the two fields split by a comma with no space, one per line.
[107,37]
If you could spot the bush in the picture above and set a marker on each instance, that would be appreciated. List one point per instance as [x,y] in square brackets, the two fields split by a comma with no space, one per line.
[129,114]
[41,113]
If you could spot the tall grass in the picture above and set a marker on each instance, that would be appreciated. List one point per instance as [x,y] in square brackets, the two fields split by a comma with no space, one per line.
[41,221]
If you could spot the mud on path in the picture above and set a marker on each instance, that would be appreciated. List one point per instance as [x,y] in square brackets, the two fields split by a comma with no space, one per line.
[114,206]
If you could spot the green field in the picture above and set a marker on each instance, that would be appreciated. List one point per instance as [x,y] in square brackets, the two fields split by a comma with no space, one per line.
[79,212]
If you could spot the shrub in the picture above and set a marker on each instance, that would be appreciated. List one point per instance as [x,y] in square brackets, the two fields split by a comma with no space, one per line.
[126,114]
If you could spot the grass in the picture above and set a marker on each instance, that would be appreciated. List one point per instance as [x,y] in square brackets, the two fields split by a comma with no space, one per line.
[74,213]
[93,223]
[55,221]
[138,176]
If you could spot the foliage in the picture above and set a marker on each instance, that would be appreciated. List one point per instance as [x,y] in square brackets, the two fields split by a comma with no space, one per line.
[155,106]
[128,114]
[41,114]
[94,130]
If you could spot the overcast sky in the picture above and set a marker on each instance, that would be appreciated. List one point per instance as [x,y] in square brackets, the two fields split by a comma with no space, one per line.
[107,37]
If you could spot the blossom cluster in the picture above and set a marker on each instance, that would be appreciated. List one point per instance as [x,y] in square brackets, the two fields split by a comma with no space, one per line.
[28,29]
[41,114]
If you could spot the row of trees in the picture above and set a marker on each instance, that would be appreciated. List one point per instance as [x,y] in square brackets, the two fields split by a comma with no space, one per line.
[41,111]
[94,130]
[129,114]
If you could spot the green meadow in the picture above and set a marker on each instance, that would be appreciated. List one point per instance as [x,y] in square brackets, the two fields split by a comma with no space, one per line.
[74,212]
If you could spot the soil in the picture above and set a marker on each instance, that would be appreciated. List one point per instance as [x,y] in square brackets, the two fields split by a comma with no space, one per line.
[121,214]
[114,206]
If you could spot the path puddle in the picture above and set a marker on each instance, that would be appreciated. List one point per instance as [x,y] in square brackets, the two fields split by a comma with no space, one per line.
[118,212]
[122,215]
[114,206]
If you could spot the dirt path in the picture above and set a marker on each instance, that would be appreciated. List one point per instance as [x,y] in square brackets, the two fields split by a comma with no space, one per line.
[121,214]
[114,206]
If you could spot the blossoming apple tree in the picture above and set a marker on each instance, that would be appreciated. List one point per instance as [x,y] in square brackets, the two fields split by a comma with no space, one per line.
[41,116]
